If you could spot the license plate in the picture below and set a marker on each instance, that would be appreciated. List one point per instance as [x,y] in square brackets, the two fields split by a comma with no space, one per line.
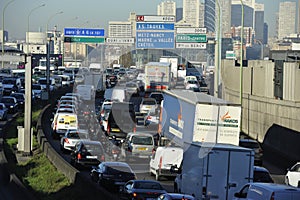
[119,183]
[115,129]
[91,157]
[142,148]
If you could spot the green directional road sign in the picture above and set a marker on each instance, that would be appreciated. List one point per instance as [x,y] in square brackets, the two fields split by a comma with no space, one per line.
[197,38]
[85,39]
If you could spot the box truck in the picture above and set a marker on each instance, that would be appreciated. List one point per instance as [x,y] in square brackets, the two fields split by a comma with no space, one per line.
[179,72]
[188,116]
[158,76]
[213,171]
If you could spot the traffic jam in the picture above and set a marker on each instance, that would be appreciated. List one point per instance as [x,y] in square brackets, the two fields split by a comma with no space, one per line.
[129,138]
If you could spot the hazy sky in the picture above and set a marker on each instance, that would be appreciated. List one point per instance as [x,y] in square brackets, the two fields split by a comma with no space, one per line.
[88,13]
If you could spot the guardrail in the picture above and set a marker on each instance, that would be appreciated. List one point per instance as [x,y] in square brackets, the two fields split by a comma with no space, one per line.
[74,175]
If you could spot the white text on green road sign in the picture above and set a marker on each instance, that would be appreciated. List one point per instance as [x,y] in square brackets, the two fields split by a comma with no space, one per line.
[191,38]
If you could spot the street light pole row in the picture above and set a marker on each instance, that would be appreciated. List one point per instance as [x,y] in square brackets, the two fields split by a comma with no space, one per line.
[3,30]
[28,24]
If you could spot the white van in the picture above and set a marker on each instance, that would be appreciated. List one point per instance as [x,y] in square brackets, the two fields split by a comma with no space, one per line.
[87,92]
[62,122]
[163,158]
[115,94]
[267,191]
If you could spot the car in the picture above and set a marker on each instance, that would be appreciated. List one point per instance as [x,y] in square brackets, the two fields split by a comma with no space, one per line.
[163,158]
[37,89]
[3,112]
[66,110]
[158,96]
[267,191]
[261,174]
[20,99]
[71,137]
[142,189]
[191,84]
[11,103]
[62,122]
[112,175]
[253,144]
[79,79]
[87,153]
[138,145]
[148,104]
[175,196]
[131,87]
[292,176]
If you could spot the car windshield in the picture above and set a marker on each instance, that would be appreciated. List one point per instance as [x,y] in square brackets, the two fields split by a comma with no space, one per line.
[36,87]
[8,100]
[260,176]
[142,140]
[251,145]
[8,81]
[148,185]
[1,107]
[93,148]
[73,135]
[149,102]
[43,81]
[117,169]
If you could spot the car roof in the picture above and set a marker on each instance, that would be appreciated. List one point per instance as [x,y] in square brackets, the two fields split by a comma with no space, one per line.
[260,169]
[139,134]
[108,163]
[274,186]
[179,196]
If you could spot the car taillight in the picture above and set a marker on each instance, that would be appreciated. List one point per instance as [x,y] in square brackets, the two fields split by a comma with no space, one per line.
[149,117]
[67,141]
[79,156]
[102,158]
[160,163]
[134,129]
[108,129]
[134,195]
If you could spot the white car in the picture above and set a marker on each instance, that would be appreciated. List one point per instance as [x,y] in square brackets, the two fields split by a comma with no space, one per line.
[292,176]
[71,137]
[191,84]
[148,105]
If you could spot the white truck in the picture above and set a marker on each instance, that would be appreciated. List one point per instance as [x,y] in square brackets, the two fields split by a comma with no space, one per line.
[158,76]
[188,116]
[178,71]
[213,171]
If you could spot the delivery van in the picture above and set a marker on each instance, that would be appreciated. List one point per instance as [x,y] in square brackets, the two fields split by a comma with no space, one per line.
[62,122]
[267,191]
[87,92]
[163,158]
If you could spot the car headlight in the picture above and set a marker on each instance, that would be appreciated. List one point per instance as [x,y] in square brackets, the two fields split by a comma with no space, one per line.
[11,106]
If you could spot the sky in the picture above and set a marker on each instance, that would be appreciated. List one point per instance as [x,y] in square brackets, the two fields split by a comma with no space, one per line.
[88,13]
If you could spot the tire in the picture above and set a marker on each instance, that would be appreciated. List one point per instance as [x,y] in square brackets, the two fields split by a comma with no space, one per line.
[175,188]
[157,176]
[286,181]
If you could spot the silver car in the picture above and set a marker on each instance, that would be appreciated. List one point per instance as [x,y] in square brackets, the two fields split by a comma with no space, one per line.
[138,145]
[71,137]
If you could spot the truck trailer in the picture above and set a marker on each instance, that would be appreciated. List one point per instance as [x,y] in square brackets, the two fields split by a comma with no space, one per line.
[158,76]
[178,71]
[188,117]
[214,171]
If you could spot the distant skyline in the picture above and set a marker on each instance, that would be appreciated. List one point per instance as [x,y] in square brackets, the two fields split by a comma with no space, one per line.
[91,13]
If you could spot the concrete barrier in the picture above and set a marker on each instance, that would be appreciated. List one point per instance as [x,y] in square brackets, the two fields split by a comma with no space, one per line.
[73,175]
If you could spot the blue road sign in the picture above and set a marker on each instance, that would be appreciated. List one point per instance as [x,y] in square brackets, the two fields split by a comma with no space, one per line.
[142,26]
[155,40]
[83,32]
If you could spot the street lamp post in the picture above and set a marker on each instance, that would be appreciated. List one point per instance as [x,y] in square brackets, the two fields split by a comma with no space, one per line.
[3,30]
[217,91]
[48,52]
[241,65]
[28,24]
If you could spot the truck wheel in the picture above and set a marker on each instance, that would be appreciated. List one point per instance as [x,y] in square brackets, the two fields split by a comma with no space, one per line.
[175,188]
[157,176]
